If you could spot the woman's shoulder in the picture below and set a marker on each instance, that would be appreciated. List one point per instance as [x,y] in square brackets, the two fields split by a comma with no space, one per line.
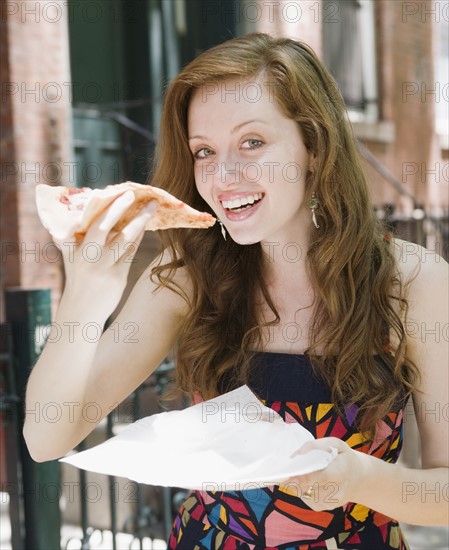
[418,266]
[426,326]
[425,277]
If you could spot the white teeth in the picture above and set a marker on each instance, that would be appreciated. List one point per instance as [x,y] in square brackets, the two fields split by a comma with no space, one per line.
[243,201]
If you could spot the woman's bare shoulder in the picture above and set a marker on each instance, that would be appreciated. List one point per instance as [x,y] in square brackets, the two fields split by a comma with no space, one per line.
[418,265]
[427,325]
[425,277]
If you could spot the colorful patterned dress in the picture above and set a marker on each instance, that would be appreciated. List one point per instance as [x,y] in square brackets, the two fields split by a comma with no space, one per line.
[269,517]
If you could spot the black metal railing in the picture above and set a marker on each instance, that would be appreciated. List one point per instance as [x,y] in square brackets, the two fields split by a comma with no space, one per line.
[37,492]
[143,520]
[33,488]
[10,477]
[418,226]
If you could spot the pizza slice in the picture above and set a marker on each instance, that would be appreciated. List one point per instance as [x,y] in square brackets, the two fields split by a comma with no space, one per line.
[68,211]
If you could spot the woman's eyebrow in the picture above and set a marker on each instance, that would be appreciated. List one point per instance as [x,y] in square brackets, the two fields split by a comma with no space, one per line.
[235,129]
[239,126]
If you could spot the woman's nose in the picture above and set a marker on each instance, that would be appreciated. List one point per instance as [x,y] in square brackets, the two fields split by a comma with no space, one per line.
[230,172]
[225,171]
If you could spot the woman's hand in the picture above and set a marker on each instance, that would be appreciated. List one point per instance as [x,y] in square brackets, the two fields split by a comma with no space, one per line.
[337,484]
[97,267]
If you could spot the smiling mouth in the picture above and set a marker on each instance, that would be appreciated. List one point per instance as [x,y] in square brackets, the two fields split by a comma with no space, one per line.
[243,203]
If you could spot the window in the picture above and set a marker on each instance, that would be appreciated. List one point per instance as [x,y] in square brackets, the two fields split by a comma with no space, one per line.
[350,54]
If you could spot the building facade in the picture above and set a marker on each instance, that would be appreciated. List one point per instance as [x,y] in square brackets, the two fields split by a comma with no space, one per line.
[82,86]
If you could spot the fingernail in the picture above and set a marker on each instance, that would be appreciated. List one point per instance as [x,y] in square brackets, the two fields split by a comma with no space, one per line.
[152,206]
[128,197]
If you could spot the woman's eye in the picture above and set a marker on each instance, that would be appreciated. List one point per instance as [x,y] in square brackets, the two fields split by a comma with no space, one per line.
[252,143]
[202,153]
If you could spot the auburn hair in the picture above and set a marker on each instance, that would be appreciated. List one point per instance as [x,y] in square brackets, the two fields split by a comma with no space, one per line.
[350,263]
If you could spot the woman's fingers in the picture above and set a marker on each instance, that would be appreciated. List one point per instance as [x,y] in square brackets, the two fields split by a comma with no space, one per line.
[102,230]
[112,215]
[137,224]
[325,444]
[111,245]
[132,234]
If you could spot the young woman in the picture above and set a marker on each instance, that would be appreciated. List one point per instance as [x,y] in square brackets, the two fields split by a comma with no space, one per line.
[298,292]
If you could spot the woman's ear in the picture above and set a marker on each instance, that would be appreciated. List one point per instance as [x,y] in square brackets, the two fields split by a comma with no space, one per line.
[312,162]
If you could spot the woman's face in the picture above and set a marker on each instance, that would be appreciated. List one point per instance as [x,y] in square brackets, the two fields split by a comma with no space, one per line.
[250,162]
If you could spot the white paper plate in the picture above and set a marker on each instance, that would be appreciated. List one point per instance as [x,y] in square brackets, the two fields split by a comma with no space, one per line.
[232,442]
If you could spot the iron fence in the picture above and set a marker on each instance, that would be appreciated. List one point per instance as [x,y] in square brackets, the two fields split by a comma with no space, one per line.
[45,497]
[135,509]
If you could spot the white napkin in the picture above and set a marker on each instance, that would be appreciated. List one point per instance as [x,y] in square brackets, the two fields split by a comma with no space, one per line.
[231,442]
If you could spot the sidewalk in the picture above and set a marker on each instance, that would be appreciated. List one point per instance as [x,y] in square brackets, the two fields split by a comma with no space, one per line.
[427,538]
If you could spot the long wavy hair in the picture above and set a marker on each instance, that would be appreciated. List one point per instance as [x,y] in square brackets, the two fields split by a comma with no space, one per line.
[350,263]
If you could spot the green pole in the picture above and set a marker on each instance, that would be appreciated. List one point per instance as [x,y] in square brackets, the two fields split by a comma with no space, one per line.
[28,313]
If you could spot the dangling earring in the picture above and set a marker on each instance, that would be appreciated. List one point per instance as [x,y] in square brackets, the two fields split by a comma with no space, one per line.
[223,230]
[313,205]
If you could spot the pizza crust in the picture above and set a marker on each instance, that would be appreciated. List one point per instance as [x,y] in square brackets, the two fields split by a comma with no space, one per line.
[67,212]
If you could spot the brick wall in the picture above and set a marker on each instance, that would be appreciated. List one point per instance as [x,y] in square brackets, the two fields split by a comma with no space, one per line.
[36,137]
[405,38]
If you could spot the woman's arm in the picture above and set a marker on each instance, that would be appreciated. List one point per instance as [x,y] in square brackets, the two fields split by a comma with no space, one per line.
[86,376]
[421,496]
[413,496]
